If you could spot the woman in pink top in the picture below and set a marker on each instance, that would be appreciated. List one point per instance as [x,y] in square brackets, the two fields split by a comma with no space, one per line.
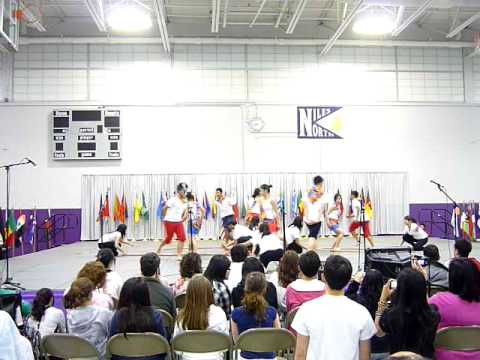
[460,306]
[307,287]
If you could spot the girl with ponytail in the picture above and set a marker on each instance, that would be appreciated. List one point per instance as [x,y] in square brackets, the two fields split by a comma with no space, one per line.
[255,313]
[44,317]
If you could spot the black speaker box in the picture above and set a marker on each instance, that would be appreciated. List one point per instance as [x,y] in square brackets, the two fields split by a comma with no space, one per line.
[389,261]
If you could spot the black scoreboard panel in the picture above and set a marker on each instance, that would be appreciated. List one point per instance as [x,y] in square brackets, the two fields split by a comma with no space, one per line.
[90,134]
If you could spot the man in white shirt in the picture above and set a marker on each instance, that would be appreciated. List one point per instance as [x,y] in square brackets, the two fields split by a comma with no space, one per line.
[333,327]
[359,219]
[238,254]
[174,215]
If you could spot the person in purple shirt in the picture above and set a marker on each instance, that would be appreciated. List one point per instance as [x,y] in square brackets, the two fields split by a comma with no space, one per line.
[460,305]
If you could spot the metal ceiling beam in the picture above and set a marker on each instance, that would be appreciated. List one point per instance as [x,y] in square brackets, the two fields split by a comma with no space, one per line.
[162,23]
[215,15]
[463,25]
[96,16]
[296,16]
[258,13]
[426,4]
[341,28]
[282,12]
[399,17]
[225,14]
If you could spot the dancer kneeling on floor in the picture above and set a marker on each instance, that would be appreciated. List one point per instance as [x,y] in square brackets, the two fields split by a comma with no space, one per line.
[292,235]
[414,234]
[270,245]
[114,240]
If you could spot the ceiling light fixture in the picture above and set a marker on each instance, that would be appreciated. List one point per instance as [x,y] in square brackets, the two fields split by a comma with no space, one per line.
[129,19]
[375,21]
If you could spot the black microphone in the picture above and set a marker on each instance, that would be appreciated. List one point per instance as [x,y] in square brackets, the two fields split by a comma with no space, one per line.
[436,183]
[31,161]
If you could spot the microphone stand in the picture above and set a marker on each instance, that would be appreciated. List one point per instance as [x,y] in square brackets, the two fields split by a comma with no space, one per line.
[442,189]
[8,279]
[283,225]
[190,227]
[361,234]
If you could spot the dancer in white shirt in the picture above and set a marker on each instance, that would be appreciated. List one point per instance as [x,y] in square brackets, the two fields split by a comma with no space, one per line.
[268,208]
[334,214]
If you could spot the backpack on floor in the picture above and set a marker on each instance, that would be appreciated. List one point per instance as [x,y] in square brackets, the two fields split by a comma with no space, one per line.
[33,335]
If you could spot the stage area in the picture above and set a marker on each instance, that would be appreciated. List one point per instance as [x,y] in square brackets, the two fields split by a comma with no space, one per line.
[55,268]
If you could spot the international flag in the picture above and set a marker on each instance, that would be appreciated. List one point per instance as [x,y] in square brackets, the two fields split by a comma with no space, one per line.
[368,207]
[454,222]
[161,204]
[214,208]
[206,205]
[10,229]
[100,209]
[106,209]
[236,212]
[33,226]
[293,205]
[116,208]
[300,204]
[144,211]
[121,210]
[137,210]
[20,228]
[350,205]
[280,203]
[125,207]
[243,209]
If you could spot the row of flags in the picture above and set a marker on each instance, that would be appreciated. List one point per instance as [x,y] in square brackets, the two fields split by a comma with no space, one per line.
[464,221]
[14,230]
[209,204]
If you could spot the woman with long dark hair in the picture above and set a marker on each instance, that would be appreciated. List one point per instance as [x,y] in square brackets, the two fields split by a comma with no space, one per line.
[292,235]
[287,273]
[268,208]
[460,305]
[366,290]
[115,240]
[334,215]
[44,317]
[200,313]
[410,322]
[135,314]
[217,272]
[255,313]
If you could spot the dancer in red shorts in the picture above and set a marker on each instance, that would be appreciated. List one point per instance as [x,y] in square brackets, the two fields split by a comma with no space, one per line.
[359,219]
[174,215]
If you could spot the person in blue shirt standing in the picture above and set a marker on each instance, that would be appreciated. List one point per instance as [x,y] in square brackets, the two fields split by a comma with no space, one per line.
[255,313]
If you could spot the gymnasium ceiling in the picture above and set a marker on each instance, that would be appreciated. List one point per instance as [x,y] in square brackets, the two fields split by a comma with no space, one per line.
[317,19]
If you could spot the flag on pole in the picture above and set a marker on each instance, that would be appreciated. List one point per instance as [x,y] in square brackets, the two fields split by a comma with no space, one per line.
[33,226]
[144,210]
[300,204]
[161,204]
[137,210]
[100,209]
[10,229]
[206,205]
[280,203]
[350,205]
[116,208]
[106,209]
[454,222]
[293,205]
[243,209]
[368,207]
[2,228]
[19,229]
[121,210]
[214,208]
[125,207]
[464,224]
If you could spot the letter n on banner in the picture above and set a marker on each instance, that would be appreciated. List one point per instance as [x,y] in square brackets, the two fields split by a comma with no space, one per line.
[309,119]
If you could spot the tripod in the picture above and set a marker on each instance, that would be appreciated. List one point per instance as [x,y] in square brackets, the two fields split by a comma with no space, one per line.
[8,279]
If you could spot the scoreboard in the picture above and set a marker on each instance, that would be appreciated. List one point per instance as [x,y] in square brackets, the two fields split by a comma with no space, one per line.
[90,134]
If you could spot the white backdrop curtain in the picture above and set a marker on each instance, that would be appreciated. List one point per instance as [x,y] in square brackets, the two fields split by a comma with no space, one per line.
[388,192]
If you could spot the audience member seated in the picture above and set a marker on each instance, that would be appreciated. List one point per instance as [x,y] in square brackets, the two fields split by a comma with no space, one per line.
[460,306]
[333,326]
[250,265]
[462,249]
[287,273]
[255,313]
[238,253]
[83,318]
[190,265]
[410,322]
[217,272]
[437,273]
[201,313]
[97,274]
[113,282]
[13,346]
[405,355]
[292,235]
[135,315]
[44,317]
[366,290]
[161,296]
[307,286]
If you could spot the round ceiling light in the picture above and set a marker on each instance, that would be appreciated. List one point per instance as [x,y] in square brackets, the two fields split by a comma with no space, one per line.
[129,19]
[374,23]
